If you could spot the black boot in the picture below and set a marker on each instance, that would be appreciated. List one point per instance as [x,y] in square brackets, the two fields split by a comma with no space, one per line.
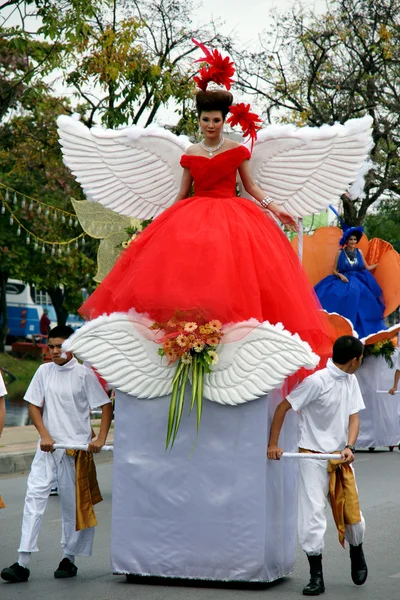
[359,569]
[315,587]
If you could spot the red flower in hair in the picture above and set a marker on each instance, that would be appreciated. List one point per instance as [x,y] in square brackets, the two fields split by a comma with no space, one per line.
[248,121]
[220,70]
[203,78]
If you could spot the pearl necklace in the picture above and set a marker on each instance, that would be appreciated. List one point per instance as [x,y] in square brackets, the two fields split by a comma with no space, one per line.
[212,149]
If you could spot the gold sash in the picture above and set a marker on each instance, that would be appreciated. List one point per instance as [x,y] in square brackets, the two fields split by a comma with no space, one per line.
[2,503]
[86,488]
[343,495]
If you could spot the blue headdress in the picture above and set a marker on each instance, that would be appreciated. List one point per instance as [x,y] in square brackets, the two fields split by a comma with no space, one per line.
[348,230]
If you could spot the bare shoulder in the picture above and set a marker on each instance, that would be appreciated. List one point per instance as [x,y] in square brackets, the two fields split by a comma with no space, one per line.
[193,150]
[229,144]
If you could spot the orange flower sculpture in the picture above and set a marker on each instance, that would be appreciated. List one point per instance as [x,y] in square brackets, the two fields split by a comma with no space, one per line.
[320,249]
[342,326]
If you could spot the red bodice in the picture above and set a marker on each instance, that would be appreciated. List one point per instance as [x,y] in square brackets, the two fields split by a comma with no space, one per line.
[216,176]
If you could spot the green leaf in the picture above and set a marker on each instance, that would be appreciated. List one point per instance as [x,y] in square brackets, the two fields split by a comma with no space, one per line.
[181,400]
[172,411]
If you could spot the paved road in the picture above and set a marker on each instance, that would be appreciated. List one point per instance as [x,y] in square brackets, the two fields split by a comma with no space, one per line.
[378,477]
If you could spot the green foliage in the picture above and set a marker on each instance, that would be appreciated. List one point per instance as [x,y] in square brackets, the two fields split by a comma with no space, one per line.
[385,349]
[21,369]
[121,60]
[385,223]
[30,162]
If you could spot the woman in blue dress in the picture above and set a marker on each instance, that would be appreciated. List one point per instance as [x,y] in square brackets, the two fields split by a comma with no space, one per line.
[352,291]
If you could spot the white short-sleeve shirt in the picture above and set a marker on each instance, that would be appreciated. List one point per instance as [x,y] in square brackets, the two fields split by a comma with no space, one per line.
[324,402]
[3,390]
[67,393]
[397,363]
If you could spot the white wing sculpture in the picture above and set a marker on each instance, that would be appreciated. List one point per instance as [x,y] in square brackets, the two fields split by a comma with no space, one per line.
[136,171]
[133,171]
[257,360]
[257,363]
[306,169]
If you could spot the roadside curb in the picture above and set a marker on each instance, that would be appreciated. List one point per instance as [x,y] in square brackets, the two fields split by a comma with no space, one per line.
[17,462]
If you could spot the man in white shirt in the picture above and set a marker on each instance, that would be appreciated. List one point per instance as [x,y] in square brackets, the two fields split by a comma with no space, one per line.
[327,402]
[60,395]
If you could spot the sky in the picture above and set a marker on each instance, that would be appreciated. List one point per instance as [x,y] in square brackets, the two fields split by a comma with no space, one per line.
[248,18]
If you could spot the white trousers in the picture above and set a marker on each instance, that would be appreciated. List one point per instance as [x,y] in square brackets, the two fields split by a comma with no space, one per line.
[313,498]
[48,467]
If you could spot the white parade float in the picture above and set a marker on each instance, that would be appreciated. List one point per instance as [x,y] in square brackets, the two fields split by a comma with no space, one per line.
[212,507]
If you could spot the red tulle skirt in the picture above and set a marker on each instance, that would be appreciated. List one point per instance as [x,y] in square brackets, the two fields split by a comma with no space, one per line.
[223,257]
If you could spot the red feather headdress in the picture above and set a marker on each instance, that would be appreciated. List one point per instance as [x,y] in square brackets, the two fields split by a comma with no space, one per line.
[220,71]
[248,121]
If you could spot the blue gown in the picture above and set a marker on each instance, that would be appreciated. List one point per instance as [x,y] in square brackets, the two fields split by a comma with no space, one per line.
[359,300]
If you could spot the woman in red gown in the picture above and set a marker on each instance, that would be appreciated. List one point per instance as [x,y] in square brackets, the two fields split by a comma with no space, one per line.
[215,253]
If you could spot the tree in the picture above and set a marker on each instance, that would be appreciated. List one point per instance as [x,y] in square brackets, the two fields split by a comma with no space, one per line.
[324,69]
[31,162]
[385,223]
[25,58]
[123,60]
[137,57]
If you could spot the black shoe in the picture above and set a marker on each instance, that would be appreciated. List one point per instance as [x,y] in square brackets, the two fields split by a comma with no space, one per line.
[15,573]
[359,569]
[66,568]
[315,586]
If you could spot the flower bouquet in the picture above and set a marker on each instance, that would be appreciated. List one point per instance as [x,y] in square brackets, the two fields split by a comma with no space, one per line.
[193,346]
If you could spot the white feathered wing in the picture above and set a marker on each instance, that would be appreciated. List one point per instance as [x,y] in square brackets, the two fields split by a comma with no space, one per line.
[258,360]
[136,171]
[133,171]
[306,169]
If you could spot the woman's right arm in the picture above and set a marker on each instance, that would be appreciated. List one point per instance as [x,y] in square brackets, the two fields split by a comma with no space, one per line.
[336,272]
[186,184]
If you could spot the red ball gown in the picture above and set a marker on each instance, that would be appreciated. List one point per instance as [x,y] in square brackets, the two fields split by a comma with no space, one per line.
[215,253]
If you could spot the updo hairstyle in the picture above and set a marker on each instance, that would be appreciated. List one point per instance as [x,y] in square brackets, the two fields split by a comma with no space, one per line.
[213,100]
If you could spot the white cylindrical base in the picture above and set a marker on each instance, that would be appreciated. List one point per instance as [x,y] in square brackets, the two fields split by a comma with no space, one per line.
[224,512]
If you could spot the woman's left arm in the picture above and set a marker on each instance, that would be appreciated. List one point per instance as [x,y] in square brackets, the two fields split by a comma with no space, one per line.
[257,193]
[368,267]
